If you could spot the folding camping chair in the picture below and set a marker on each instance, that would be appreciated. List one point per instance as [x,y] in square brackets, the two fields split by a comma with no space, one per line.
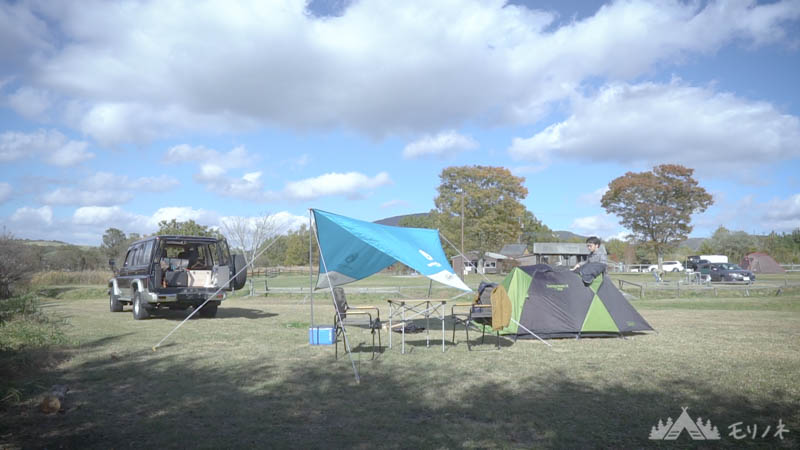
[358,316]
[482,312]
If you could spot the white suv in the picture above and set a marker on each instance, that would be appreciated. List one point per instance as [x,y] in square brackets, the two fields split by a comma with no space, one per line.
[668,266]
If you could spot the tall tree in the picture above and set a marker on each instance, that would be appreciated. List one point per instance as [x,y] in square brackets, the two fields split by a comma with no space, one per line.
[17,264]
[188,228]
[297,248]
[657,205]
[493,214]
[733,244]
[114,244]
[250,233]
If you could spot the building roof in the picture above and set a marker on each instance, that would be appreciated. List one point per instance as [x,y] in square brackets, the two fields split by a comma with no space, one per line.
[514,250]
[559,248]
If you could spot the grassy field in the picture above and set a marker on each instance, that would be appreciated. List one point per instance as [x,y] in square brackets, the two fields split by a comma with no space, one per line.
[249,379]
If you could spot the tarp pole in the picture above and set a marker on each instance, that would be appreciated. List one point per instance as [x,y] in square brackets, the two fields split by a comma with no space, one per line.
[310,268]
[338,313]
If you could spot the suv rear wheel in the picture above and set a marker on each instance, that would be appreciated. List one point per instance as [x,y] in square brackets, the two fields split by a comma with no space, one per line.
[139,311]
[209,310]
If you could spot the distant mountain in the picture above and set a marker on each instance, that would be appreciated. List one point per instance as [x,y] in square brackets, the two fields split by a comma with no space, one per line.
[395,220]
[44,243]
[694,243]
[565,236]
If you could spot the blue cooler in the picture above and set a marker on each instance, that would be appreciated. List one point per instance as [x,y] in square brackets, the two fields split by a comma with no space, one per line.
[321,335]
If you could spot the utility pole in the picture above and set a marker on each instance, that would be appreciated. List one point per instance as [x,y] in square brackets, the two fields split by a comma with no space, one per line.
[463,255]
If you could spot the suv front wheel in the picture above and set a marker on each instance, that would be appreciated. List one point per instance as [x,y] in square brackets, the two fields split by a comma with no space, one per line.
[114,303]
[139,311]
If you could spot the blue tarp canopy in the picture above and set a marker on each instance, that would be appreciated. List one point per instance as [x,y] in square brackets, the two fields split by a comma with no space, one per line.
[353,249]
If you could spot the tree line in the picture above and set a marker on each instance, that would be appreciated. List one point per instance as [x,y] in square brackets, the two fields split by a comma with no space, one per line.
[475,208]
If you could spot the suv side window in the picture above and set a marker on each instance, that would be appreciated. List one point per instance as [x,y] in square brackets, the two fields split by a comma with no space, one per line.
[145,254]
[130,258]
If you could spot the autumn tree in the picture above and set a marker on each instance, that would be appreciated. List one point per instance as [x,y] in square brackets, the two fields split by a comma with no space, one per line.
[492,210]
[657,206]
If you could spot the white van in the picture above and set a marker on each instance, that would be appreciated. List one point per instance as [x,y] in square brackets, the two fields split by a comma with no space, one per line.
[667,266]
[715,258]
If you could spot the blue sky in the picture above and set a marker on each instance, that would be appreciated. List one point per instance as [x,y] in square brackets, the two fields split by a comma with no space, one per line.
[121,114]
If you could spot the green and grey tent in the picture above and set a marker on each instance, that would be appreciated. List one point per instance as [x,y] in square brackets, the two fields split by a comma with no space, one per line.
[552,303]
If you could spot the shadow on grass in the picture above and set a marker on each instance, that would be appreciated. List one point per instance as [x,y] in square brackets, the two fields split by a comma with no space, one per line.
[149,399]
[54,292]
[222,313]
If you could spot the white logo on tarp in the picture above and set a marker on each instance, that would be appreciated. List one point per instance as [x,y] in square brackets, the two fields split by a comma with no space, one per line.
[697,430]
[429,258]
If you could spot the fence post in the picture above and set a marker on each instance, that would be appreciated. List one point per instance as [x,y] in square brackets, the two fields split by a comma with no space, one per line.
[252,289]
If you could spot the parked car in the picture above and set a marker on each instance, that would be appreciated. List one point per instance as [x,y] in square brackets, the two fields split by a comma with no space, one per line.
[692,262]
[667,266]
[726,272]
[639,268]
[175,272]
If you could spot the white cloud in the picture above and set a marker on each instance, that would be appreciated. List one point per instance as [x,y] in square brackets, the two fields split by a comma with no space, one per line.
[5,192]
[447,62]
[27,216]
[29,102]
[214,170]
[283,221]
[182,214]
[100,216]
[444,144]
[72,196]
[351,185]
[782,215]
[599,225]
[107,189]
[51,145]
[70,154]
[593,198]
[661,123]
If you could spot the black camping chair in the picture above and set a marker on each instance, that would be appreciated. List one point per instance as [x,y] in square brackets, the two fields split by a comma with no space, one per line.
[358,316]
[479,312]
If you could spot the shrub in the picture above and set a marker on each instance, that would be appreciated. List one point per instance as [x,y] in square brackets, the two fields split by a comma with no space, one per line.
[60,278]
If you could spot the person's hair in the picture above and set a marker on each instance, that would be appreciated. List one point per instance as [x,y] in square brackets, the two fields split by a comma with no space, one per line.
[593,240]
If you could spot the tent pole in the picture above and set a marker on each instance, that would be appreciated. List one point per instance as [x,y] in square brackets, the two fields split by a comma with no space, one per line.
[338,313]
[531,332]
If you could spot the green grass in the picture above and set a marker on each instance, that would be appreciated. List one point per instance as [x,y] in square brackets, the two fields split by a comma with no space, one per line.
[249,379]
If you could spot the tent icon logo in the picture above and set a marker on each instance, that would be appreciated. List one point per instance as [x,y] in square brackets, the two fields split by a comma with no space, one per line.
[697,430]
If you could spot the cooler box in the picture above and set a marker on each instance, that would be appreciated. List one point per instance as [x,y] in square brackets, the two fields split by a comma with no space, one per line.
[322,335]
